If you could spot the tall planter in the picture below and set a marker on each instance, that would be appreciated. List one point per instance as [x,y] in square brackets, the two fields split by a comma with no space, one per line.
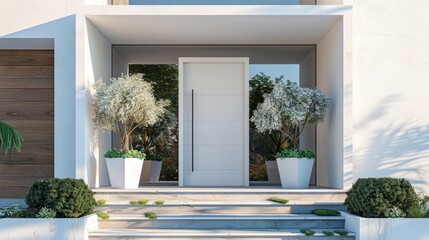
[151,171]
[124,173]
[295,173]
[272,172]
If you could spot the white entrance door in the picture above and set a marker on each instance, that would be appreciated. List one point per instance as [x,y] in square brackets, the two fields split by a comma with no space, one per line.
[213,122]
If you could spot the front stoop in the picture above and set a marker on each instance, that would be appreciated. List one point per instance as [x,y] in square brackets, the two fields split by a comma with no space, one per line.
[214,213]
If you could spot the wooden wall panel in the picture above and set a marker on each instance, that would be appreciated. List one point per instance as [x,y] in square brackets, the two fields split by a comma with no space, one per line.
[23,83]
[26,95]
[27,103]
[26,111]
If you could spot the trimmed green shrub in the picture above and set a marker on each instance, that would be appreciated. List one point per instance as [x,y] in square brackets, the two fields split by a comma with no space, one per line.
[295,153]
[69,198]
[115,153]
[374,197]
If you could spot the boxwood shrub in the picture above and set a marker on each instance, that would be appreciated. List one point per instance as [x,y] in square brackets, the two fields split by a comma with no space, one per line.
[69,198]
[376,197]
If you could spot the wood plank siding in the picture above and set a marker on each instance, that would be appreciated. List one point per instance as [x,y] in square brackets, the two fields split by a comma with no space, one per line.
[27,103]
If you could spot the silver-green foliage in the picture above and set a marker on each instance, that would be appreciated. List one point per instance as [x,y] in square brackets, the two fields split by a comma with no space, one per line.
[289,108]
[10,211]
[46,213]
[128,101]
[394,212]
[9,138]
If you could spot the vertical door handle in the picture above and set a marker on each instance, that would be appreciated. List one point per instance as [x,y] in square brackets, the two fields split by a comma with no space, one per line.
[192,127]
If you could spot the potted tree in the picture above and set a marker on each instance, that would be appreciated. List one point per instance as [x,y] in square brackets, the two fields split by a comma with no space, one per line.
[154,141]
[289,108]
[122,106]
[265,144]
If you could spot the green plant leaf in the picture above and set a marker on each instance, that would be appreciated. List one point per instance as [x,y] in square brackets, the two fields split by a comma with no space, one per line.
[9,138]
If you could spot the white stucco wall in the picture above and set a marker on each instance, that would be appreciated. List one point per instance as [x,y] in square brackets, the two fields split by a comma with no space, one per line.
[391,117]
[91,144]
[307,78]
[62,31]
[23,14]
[330,132]
[390,62]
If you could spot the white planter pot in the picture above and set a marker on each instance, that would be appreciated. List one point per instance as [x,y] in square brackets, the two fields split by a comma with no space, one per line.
[387,228]
[272,172]
[124,173]
[295,172]
[151,171]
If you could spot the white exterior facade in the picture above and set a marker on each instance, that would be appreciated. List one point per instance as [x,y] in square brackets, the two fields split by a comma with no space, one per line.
[371,58]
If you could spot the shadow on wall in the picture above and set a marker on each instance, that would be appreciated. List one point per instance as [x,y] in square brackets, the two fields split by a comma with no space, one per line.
[398,149]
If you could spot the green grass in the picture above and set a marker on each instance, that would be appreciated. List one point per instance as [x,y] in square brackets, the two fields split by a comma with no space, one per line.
[139,202]
[103,215]
[150,215]
[326,212]
[142,202]
[101,202]
[341,232]
[307,232]
[278,200]
[328,233]
[159,202]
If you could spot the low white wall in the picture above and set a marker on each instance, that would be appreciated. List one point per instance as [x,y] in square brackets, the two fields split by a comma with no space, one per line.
[47,228]
[387,228]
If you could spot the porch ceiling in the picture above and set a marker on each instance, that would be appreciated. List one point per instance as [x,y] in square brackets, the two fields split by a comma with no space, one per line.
[213,29]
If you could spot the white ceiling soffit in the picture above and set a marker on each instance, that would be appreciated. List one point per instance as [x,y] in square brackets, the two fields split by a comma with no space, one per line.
[276,29]
[168,54]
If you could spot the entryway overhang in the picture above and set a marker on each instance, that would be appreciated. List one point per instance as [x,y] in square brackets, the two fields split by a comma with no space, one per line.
[107,28]
[216,24]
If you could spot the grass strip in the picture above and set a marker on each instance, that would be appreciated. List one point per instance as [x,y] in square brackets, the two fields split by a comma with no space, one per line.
[278,200]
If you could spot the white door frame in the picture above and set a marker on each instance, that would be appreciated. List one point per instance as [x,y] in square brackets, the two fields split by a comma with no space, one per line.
[245,61]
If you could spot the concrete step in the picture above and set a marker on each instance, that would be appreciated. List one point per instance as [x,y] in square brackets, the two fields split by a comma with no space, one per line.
[217,207]
[212,221]
[212,234]
[176,194]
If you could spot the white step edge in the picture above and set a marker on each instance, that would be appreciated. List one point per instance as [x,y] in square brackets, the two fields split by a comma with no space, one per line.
[202,233]
[138,217]
[214,203]
[166,190]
